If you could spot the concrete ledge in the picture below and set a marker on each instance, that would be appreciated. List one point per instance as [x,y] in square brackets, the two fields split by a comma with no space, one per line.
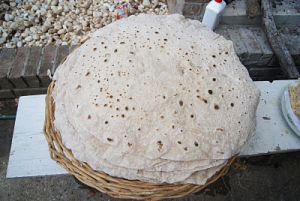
[6,94]
[30,91]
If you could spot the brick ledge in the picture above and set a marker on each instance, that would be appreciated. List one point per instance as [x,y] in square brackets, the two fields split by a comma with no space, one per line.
[23,71]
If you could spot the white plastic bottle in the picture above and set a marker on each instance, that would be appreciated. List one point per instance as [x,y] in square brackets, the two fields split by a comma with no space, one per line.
[213,12]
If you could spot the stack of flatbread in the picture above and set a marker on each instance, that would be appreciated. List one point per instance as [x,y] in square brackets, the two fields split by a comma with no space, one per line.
[156,99]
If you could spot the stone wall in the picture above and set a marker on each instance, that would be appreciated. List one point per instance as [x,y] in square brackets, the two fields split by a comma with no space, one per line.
[175,6]
[285,12]
[23,71]
[249,40]
[255,52]
[194,9]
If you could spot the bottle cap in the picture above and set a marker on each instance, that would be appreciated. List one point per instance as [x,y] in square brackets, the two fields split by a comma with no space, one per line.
[218,1]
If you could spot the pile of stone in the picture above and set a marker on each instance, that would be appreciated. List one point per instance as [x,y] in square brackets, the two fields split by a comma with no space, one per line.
[59,22]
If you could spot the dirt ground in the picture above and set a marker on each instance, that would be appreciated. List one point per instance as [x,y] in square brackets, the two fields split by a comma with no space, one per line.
[271,177]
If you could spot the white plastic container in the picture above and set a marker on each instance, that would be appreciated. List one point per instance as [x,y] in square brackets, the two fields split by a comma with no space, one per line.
[213,12]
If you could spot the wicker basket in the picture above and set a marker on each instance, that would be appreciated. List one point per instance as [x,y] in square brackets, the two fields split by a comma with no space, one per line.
[113,186]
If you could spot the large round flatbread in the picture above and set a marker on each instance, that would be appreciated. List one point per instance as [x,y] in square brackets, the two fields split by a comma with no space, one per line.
[152,95]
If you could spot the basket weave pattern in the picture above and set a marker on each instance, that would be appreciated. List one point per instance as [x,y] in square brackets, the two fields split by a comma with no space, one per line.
[113,186]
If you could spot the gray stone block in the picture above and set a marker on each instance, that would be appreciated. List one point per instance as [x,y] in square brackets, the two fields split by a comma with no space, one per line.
[265,46]
[273,62]
[62,53]
[192,9]
[223,32]
[6,94]
[253,47]
[238,44]
[6,58]
[49,53]
[297,62]
[17,68]
[29,91]
[265,72]
[31,67]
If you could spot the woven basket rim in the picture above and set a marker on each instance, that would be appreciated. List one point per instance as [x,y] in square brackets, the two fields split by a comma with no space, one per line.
[113,186]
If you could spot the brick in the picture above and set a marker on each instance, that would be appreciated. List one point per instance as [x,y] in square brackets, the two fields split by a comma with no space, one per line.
[286,13]
[287,20]
[285,7]
[16,72]
[238,44]
[254,50]
[191,9]
[62,53]
[254,78]
[192,17]
[6,94]
[234,20]
[6,58]
[228,1]
[273,61]
[295,37]
[291,46]
[297,62]
[291,38]
[202,11]
[175,6]
[271,79]
[268,53]
[29,91]
[235,14]
[31,68]
[265,72]
[223,32]
[47,62]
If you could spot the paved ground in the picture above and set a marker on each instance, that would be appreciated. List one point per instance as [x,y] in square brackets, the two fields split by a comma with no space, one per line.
[273,177]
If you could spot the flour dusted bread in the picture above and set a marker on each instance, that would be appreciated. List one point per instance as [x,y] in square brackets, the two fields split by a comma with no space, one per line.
[155,98]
